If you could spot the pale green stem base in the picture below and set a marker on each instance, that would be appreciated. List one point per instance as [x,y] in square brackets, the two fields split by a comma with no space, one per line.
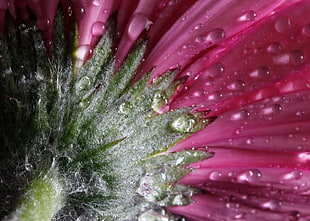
[41,201]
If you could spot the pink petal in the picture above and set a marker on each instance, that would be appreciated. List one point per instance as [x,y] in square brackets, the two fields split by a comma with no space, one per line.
[211,207]
[294,83]
[253,168]
[92,17]
[277,123]
[139,17]
[245,184]
[200,28]
[275,48]
[4,5]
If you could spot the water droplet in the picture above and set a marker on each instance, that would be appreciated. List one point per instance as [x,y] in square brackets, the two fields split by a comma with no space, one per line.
[83,52]
[98,28]
[198,26]
[83,84]
[237,85]
[125,107]
[250,176]
[70,12]
[272,204]
[261,73]
[282,24]
[184,123]
[294,175]
[97,2]
[294,216]
[146,188]
[306,30]
[240,115]
[216,36]
[297,57]
[240,216]
[303,157]
[159,100]
[43,24]
[250,141]
[153,216]
[215,70]
[248,16]
[28,167]
[200,39]
[215,96]
[300,113]
[136,25]
[180,200]
[229,205]
[215,175]
[274,109]
[80,14]
[275,48]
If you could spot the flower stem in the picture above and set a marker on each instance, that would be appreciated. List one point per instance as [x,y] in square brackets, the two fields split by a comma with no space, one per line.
[42,199]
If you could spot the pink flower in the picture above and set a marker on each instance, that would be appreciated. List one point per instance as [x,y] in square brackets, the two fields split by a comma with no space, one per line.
[246,65]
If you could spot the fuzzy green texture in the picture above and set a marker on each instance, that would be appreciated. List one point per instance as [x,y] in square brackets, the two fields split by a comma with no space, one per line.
[41,201]
[102,133]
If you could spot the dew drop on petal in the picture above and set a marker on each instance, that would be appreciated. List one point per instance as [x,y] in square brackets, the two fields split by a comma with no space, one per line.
[200,39]
[215,96]
[261,73]
[136,26]
[98,28]
[215,175]
[294,216]
[216,36]
[274,109]
[70,12]
[198,26]
[300,113]
[250,176]
[250,141]
[240,216]
[237,85]
[97,2]
[282,24]
[248,16]
[303,157]
[80,14]
[215,70]
[272,204]
[83,52]
[306,30]
[297,57]
[294,175]
[275,48]
[240,115]
[43,24]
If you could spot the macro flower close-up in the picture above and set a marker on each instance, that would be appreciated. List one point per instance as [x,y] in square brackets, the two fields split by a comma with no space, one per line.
[155,110]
